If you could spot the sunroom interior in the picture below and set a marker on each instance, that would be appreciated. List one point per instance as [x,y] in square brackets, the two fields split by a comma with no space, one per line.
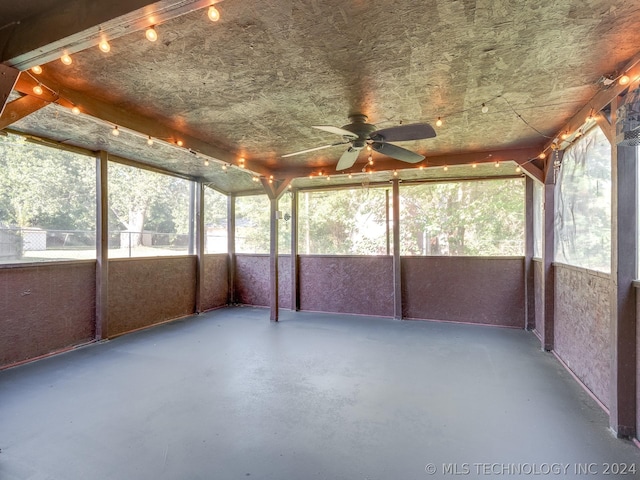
[160,168]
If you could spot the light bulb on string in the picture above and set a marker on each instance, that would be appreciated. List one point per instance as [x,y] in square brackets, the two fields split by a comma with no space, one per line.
[151,34]
[474,165]
[75,110]
[439,122]
[206,162]
[66,59]
[542,156]
[350,175]
[484,108]
[149,140]
[446,168]
[37,69]
[497,164]
[115,132]
[104,46]
[213,14]
[179,143]
[38,90]
[395,173]
[224,167]
[518,169]
[624,80]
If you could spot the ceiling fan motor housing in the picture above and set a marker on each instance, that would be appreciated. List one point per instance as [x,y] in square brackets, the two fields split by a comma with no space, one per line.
[361,128]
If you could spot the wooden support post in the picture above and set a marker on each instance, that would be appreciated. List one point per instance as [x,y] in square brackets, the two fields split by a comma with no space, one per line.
[295,281]
[231,247]
[530,314]
[198,187]
[548,252]
[102,247]
[274,190]
[624,257]
[8,78]
[273,258]
[397,277]
[192,218]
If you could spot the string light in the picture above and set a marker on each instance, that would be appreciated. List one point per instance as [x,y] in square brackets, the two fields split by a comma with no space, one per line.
[564,135]
[474,165]
[206,162]
[350,175]
[213,14]
[497,164]
[38,90]
[446,168]
[37,69]
[241,162]
[66,59]
[439,122]
[75,110]
[151,34]
[368,148]
[180,143]
[624,80]
[115,132]
[518,169]
[149,140]
[421,167]
[485,109]
[370,160]
[104,46]
[542,156]
[224,167]
[328,178]
[395,173]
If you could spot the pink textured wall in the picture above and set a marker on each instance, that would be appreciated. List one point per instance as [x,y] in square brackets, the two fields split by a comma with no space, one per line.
[637,363]
[252,280]
[465,289]
[146,291]
[216,281]
[345,284]
[581,333]
[538,288]
[45,308]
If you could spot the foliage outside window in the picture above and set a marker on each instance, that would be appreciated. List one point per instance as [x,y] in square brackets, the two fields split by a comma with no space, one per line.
[47,203]
[583,204]
[343,222]
[215,221]
[484,218]
[252,224]
[538,228]
[148,213]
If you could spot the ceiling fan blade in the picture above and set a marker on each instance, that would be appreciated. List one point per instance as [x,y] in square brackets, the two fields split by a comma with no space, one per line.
[396,152]
[403,133]
[313,149]
[348,158]
[336,130]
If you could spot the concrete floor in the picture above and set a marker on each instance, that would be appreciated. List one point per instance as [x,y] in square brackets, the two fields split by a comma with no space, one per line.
[228,395]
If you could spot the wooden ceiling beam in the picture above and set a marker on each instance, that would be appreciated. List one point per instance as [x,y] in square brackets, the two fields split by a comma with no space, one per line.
[74,25]
[598,103]
[20,108]
[127,120]
[8,79]
[521,156]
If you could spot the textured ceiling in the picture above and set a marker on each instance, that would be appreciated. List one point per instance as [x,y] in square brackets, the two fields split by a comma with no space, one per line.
[253,83]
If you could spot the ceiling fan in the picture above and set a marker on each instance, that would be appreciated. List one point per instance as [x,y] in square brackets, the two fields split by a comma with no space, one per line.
[358,134]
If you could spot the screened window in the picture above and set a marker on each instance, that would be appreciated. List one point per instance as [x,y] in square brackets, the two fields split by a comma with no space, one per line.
[538,223]
[583,204]
[252,224]
[463,218]
[47,203]
[344,222]
[215,221]
[149,213]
